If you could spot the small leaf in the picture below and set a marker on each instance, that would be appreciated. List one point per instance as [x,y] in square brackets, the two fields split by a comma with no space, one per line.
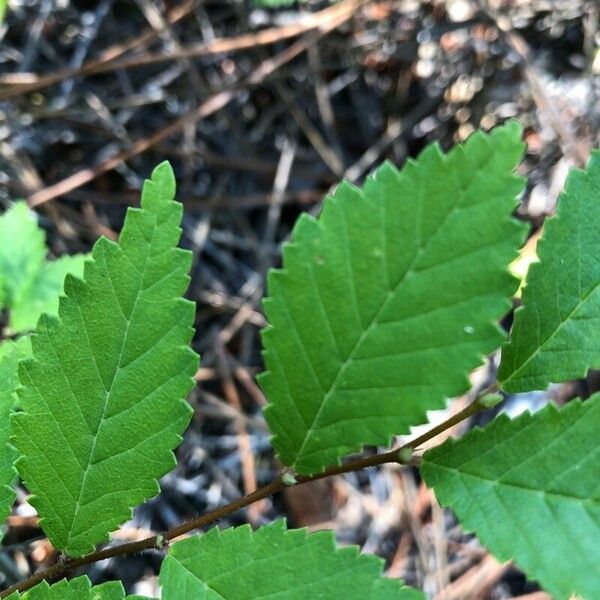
[555,333]
[529,489]
[276,563]
[19,263]
[387,301]
[10,354]
[103,397]
[28,284]
[41,296]
[79,588]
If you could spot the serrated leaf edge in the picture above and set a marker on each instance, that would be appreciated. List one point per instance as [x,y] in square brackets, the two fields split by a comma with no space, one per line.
[550,223]
[316,222]
[160,172]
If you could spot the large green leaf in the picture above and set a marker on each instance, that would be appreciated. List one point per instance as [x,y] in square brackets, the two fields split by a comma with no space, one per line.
[388,300]
[103,397]
[29,285]
[79,588]
[529,489]
[555,334]
[276,563]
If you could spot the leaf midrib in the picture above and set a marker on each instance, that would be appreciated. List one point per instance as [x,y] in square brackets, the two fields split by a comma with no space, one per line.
[71,534]
[549,339]
[390,295]
[517,486]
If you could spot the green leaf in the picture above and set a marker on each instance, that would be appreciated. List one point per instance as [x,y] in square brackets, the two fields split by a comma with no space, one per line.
[10,353]
[274,3]
[387,301]
[103,397]
[29,284]
[79,588]
[274,562]
[19,263]
[42,294]
[555,334]
[529,489]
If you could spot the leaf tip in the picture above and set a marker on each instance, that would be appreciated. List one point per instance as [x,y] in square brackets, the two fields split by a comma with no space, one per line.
[160,188]
[512,127]
[163,175]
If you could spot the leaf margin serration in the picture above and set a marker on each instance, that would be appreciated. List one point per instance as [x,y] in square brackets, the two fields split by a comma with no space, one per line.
[525,314]
[556,582]
[109,590]
[216,542]
[510,130]
[158,190]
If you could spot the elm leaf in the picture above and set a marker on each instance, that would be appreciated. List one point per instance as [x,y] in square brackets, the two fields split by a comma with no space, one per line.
[529,489]
[390,298]
[555,333]
[79,588]
[29,285]
[10,354]
[104,396]
[276,563]
[42,293]
[22,250]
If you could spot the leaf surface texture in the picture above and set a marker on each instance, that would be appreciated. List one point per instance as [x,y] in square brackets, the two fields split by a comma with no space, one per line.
[529,489]
[556,333]
[390,298]
[103,397]
[276,563]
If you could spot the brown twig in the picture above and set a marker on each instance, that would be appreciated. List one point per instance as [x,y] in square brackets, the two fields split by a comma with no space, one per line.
[158,541]
[244,445]
[344,11]
[113,62]
[23,83]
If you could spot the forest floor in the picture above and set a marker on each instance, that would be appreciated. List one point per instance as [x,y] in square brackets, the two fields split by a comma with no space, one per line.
[261,111]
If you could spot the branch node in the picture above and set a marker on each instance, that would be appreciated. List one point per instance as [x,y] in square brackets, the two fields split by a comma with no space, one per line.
[490,400]
[288,478]
[405,455]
